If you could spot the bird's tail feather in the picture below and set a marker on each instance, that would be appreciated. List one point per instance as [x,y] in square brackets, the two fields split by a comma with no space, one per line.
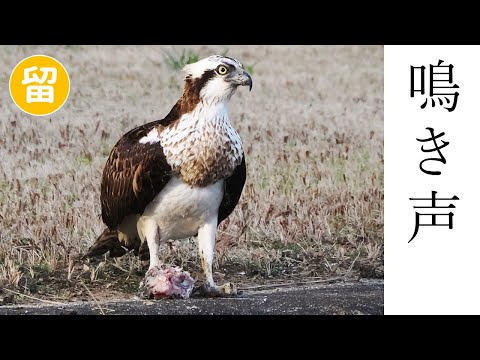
[109,241]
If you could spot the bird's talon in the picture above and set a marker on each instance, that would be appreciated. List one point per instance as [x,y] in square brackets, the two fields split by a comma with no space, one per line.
[226,290]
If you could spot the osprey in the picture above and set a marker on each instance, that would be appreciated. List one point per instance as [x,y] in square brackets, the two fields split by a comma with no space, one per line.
[180,176]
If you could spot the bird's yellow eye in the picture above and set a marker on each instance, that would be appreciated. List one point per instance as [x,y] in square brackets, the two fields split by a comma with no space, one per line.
[222,70]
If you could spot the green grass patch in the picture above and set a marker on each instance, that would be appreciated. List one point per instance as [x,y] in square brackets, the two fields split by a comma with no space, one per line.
[176,61]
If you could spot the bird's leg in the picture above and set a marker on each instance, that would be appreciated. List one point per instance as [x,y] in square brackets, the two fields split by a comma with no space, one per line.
[152,236]
[206,246]
[149,233]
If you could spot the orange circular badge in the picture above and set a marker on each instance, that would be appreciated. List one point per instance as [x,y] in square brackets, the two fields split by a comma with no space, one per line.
[39,85]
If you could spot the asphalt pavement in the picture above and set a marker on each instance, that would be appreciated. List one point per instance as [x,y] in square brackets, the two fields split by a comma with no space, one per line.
[345,298]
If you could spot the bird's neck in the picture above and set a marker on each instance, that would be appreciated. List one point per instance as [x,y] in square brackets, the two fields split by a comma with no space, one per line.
[206,114]
[203,146]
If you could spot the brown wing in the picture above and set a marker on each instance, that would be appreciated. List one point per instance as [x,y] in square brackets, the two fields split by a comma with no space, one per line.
[233,189]
[133,175]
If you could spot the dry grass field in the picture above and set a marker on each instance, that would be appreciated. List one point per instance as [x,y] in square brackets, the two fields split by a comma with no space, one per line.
[312,129]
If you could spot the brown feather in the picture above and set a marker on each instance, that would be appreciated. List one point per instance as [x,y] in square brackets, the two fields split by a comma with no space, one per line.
[137,186]
[233,190]
[133,175]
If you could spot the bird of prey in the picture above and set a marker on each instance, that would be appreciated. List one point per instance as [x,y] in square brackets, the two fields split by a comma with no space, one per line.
[177,177]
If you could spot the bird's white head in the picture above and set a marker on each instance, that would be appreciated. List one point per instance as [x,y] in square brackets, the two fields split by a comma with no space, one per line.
[215,78]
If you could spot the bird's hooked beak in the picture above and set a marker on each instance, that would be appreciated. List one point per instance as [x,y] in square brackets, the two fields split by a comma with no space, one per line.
[243,78]
[248,80]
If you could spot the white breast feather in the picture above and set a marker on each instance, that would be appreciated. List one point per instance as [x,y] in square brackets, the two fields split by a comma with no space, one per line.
[193,205]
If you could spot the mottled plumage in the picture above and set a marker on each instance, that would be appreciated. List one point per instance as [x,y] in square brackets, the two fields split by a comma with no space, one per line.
[180,176]
[134,174]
